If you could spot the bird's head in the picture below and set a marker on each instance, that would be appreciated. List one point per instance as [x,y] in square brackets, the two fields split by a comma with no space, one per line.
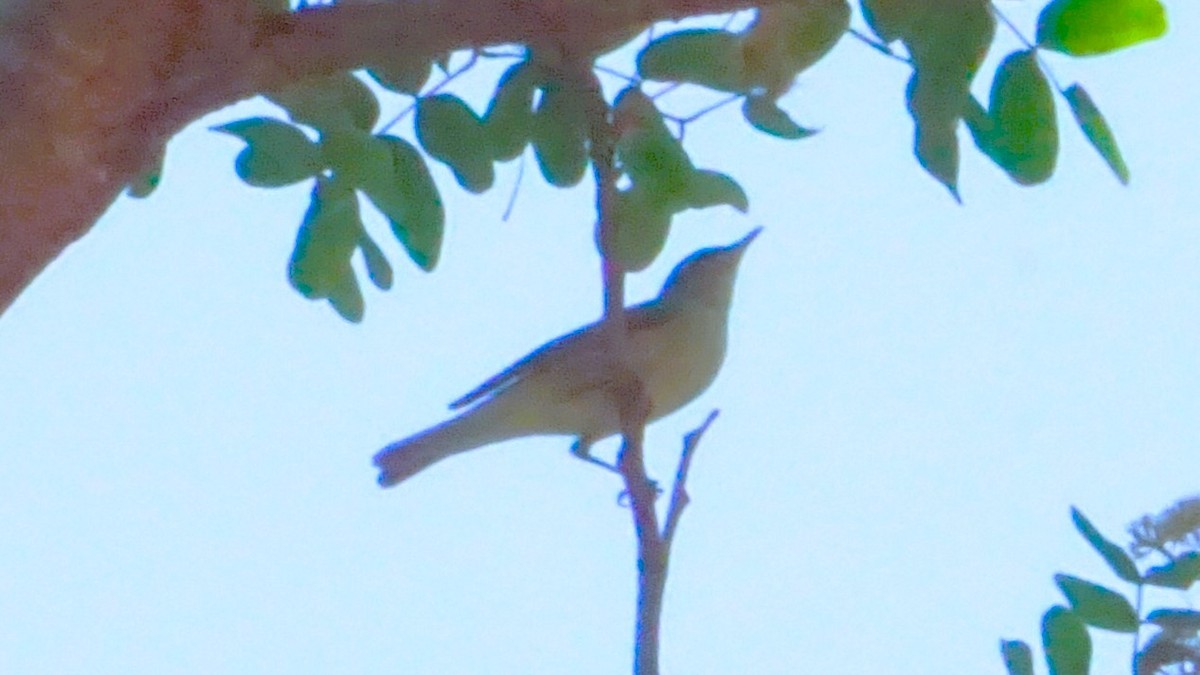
[707,275]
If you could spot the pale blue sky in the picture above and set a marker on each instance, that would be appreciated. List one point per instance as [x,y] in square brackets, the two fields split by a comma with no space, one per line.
[915,394]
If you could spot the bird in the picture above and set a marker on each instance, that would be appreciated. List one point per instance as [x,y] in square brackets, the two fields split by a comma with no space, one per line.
[676,345]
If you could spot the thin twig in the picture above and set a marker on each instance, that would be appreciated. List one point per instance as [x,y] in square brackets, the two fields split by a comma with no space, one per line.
[512,198]
[877,46]
[679,495]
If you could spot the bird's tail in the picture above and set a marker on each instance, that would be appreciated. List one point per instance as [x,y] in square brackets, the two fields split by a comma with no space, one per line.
[406,457]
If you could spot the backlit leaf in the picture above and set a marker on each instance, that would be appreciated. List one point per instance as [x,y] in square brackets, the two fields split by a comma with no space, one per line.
[1086,27]
[1096,128]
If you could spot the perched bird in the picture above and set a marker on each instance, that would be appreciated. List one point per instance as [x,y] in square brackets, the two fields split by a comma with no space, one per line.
[676,345]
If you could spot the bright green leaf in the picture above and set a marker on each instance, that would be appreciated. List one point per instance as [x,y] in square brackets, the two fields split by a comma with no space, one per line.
[706,56]
[1023,139]
[276,152]
[713,188]
[648,152]
[1018,657]
[1096,128]
[765,115]
[1114,555]
[1098,606]
[328,236]
[1066,642]
[1180,573]
[1086,27]
[560,134]
[328,103]
[453,134]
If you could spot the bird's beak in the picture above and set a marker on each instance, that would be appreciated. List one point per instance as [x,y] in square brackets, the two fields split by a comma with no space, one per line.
[741,244]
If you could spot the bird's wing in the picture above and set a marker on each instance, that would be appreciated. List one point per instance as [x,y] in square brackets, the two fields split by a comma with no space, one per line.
[582,340]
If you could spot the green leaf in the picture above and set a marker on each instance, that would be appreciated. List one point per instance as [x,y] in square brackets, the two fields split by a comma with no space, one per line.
[889,19]
[764,114]
[509,119]
[788,37]
[329,103]
[1086,27]
[1066,642]
[1178,621]
[453,134]
[404,191]
[150,176]
[1180,573]
[707,56]
[1096,128]
[276,152]
[642,222]
[1098,606]
[379,270]
[328,236]
[407,76]
[1018,657]
[713,188]
[648,152]
[1114,555]
[1023,137]
[560,134]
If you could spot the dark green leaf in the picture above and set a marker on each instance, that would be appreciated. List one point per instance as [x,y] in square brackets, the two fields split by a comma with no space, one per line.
[406,77]
[1098,606]
[328,235]
[406,193]
[706,56]
[1096,128]
[509,119]
[378,268]
[1018,658]
[1180,573]
[1114,555]
[1025,138]
[276,152]
[1085,27]
[453,134]
[1178,621]
[560,134]
[1066,642]
[329,103]
[712,188]
[765,115]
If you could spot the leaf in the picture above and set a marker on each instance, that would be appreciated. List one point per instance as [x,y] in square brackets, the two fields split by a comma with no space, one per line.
[713,188]
[150,176]
[642,222]
[1066,642]
[1180,573]
[1023,138]
[1098,606]
[1176,621]
[404,191]
[276,152]
[328,235]
[1018,658]
[406,76]
[379,270]
[1116,557]
[788,37]
[329,103]
[1087,27]
[453,134]
[1096,128]
[509,119]
[560,134]
[649,154]
[764,114]
[706,56]
[889,19]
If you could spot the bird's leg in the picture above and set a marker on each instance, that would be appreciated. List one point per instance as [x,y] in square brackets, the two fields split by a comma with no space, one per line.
[582,449]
